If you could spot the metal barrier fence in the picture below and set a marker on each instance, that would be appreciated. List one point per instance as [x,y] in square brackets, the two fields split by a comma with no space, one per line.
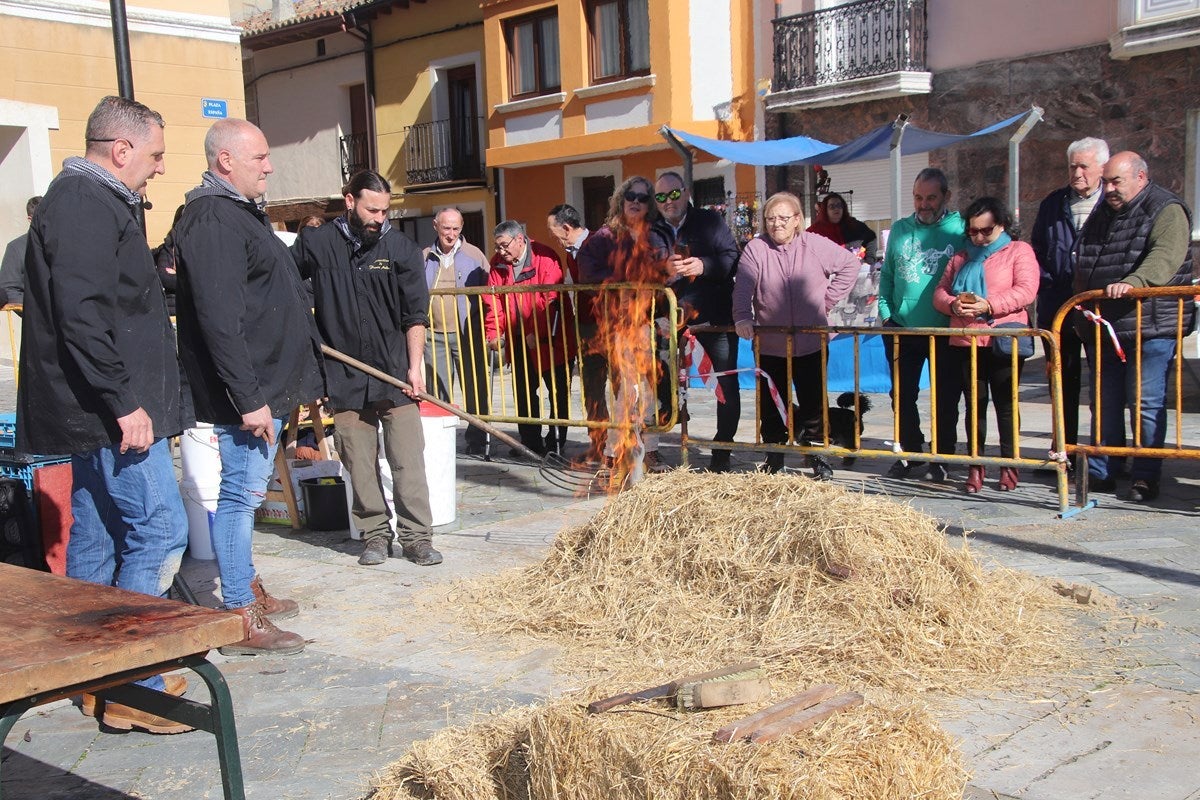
[976,452]
[1093,303]
[12,329]
[544,332]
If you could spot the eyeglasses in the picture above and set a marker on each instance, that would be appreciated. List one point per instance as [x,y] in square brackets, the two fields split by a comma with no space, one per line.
[505,245]
[981,231]
[118,139]
[674,194]
[781,220]
[636,197]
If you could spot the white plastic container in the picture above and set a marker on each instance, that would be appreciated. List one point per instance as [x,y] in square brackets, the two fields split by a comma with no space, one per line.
[200,456]
[440,428]
[200,502]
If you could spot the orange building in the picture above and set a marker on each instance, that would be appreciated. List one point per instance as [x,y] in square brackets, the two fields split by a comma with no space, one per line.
[578,91]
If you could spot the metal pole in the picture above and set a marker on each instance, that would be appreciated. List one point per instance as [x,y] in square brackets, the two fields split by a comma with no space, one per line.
[120,29]
[897,137]
[684,153]
[1014,160]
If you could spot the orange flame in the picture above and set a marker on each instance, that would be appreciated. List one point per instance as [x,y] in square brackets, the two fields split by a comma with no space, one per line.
[625,318]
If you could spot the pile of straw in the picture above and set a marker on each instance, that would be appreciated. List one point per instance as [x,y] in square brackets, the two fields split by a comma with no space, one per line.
[558,751]
[687,572]
[823,585]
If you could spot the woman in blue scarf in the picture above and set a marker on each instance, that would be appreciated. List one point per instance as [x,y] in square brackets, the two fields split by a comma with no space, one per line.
[987,285]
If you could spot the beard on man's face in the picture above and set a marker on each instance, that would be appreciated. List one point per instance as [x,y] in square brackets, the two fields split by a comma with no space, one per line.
[367,232]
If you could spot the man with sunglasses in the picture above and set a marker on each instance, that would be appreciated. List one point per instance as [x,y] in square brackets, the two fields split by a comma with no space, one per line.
[100,378]
[702,258]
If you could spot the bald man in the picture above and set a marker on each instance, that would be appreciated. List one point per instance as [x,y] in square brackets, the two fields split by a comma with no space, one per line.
[1140,236]
[250,347]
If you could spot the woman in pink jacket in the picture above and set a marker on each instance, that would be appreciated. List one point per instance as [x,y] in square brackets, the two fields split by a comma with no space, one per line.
[789,278]
[989,284]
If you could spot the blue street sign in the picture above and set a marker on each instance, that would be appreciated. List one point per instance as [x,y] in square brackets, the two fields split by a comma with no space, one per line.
[215,109]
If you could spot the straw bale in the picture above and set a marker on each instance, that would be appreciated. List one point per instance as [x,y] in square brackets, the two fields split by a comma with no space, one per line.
[557,751]
[690,571]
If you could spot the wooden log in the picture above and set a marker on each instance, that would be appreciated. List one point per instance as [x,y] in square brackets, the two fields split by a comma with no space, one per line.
[742,728]
[803,720]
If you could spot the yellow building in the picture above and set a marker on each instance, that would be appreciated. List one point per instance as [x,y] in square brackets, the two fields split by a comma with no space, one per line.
[579,89]
[57,61]
[429,115]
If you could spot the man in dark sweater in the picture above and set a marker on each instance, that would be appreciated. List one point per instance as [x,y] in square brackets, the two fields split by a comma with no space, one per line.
[1139,237]
[250,348]
[12,268]
[371,302]
[99,374]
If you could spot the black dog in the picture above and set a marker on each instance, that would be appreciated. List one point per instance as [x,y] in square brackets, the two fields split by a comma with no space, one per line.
[842,419]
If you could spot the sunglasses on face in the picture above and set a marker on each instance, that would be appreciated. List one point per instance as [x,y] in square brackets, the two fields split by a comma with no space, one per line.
[674,194]
[636,197]
[981,231]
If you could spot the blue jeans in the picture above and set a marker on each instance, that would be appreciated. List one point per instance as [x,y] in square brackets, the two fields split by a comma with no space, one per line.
[246,466]
[1118,396]
[130,527]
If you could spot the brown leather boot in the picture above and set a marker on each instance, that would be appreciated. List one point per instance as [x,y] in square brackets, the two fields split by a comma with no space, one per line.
[261,636]
[124,718]
[273,607]
[173,684]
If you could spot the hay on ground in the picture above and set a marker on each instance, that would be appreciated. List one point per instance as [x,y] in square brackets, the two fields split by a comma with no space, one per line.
[557,751]
[690,571]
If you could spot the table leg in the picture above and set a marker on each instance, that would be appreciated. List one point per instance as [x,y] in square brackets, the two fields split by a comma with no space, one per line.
[224,729]
[9,714]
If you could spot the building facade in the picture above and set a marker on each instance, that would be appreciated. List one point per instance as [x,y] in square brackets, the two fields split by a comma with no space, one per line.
[578,91]
[1121,70]
[57,61]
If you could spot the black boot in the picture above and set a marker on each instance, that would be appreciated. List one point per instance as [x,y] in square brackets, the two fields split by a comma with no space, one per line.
[774,463]
[719,461]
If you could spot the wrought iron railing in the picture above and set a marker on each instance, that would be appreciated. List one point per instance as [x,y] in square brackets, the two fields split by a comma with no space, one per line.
[355,153]
[856,40]
[443,151]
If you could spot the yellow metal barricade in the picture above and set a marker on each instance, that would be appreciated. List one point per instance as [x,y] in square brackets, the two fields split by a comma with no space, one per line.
[542,331]
[12,328]
[1099,337]
[1053,458]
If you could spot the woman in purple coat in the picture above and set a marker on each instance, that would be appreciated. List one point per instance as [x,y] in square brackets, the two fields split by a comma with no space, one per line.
[787,277]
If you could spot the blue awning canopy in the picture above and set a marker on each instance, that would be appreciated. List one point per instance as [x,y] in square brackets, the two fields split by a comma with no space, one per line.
[873,145]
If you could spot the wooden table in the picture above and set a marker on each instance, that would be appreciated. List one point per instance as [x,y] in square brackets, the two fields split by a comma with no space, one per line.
[61,637]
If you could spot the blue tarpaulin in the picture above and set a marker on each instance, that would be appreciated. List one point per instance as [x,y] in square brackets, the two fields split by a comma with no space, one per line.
[802,150]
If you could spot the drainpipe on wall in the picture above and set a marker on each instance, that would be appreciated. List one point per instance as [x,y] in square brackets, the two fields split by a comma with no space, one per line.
[352,26]
[120,26]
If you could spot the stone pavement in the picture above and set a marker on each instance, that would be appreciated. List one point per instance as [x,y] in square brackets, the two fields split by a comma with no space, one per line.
[386,665]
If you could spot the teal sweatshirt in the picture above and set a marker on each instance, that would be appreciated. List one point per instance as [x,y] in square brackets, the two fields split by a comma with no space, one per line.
[912,266]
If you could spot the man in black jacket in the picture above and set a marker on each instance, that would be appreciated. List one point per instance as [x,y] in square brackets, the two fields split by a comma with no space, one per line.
[371,302]
[251,352]
[1053,237]
[99,374]
[703,260]
[1139,237]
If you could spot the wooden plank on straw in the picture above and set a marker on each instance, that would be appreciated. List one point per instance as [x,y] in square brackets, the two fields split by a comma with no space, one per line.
[740,729]
[803,720]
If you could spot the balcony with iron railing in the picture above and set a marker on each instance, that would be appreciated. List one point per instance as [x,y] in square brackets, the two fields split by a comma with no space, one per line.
[866,50]
[446,151]
[355,151]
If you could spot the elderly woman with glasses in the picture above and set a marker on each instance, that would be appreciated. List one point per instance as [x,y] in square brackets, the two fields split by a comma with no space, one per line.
[623,250]
[990,284]
[791,278]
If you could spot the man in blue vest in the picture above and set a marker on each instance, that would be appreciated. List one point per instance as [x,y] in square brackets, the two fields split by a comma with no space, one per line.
[1139,237]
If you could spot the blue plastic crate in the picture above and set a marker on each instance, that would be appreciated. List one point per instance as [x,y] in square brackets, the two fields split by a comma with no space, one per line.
[8,429]
[22,466]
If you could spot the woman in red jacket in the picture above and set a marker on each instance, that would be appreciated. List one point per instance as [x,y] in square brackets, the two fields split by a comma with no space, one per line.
[989,284]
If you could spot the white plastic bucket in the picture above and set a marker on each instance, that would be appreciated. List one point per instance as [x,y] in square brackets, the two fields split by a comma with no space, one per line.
[200,502]
[200,456]
[440,428]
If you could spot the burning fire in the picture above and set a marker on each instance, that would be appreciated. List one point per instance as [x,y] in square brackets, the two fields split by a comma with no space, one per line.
[626,321]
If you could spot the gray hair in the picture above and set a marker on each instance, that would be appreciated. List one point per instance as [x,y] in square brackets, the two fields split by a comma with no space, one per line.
[1088,144]
[933,174]
[117,118]
[510,228]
